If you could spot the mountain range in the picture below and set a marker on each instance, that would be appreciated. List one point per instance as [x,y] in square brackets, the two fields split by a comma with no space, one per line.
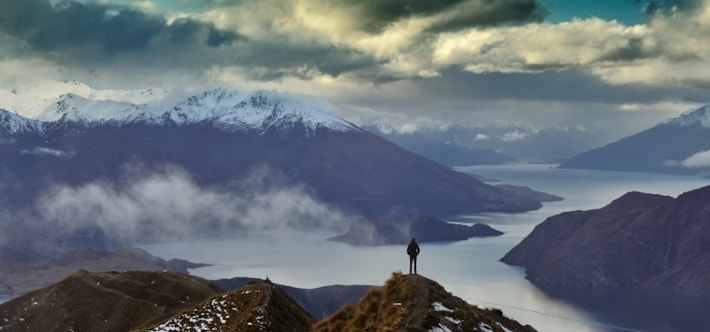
[447,152]
[170,301]
[496,143]
[221,137]
[639,241]
[679,145]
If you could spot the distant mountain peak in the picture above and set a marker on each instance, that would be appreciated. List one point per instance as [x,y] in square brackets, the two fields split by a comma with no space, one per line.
[71,107]
[676,146]
[11,123]
[260,110]
[227,109]
[700,115]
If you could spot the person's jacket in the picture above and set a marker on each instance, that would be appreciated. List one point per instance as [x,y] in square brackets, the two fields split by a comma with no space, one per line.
[413,249]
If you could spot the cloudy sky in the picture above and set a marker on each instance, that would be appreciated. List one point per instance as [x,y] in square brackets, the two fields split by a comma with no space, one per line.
[415,64]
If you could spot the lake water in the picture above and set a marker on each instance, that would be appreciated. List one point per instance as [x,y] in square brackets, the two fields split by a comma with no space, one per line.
[468,269]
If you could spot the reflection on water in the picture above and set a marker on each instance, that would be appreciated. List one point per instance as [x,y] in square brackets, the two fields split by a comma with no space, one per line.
[469,269]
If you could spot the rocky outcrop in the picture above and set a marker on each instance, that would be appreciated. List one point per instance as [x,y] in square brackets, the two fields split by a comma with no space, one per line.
[640,241]
[416,303]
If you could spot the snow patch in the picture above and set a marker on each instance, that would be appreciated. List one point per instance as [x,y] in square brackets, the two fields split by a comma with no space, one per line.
[453,320]
[203,318]
[438,306]
[440,328]
[485,327]
[701,116]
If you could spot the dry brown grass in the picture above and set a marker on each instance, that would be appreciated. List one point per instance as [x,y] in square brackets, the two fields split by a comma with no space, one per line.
[406,303]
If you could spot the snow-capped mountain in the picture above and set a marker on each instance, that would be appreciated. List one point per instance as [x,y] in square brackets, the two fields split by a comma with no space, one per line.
[74,108]
[224,109]
[30,98]
[680,146]
[11,124]
[701,117]
[220,136]
[261,109]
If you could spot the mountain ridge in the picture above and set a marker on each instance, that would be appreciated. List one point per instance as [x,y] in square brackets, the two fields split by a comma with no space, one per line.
[226,109]
[639,241]
[168,301]
[106,301]
[254,307]
[679,145]
[700,116]
[416,303]
[343,163]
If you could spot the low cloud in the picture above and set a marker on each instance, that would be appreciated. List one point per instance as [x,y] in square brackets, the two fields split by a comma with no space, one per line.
[700,159]
[513,136]
[696,160]
[481,137]
[168,205]
[48,151]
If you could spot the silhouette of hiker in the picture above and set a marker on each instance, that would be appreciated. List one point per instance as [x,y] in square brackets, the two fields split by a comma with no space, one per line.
[413,251]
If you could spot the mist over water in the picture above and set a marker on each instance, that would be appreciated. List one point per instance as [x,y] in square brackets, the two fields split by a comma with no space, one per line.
[469,269]
[167,205]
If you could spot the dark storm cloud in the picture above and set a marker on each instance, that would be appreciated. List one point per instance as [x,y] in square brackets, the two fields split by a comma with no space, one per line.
[378,14]
[560,85]
[75,28]
[496,13]
[283,58]
[184,31]
[633,50]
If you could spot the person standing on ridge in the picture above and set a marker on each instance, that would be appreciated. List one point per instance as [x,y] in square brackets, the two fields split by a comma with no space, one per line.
[413,251]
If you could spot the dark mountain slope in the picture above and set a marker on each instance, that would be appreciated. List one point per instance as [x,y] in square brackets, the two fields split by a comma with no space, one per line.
[640,240]
[109,301]
[415,303]
[20,277]
[665,148]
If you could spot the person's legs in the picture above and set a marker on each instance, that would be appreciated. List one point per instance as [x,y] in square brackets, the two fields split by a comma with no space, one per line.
[411,258]
[415,264]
